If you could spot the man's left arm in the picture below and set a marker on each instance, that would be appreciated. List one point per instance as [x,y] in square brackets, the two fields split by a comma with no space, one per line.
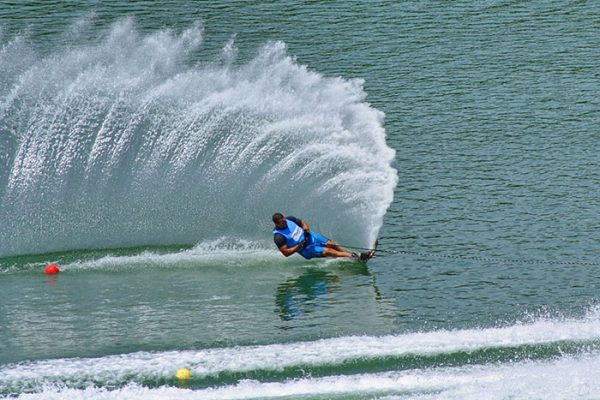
[306,229]
[299,222]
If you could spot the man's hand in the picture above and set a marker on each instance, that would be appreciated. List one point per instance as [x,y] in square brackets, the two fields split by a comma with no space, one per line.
[307,238]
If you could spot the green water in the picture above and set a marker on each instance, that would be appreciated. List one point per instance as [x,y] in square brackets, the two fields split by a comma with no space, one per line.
[492,109]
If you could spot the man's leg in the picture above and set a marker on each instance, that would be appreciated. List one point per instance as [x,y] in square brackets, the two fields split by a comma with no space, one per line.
[330,249]
[331,252]
[334,246]
[339,250]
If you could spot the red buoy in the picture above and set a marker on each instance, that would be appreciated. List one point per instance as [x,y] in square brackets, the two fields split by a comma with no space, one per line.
[52,269]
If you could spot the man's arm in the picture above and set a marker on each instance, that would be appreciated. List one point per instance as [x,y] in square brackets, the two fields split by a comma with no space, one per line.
[282,246]
[291,250]
[299,222]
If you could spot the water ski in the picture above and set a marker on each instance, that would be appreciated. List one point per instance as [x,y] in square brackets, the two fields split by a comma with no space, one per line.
[367,255]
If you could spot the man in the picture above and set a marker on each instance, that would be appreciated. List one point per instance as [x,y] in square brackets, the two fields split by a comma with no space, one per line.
[292,235]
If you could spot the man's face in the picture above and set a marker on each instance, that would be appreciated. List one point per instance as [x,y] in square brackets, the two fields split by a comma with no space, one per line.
[281,224]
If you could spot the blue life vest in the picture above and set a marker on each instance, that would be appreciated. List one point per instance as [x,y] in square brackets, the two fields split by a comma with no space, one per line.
[293,233]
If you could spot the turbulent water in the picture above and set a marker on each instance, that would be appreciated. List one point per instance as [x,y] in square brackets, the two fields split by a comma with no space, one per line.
[410,358]
[145,145]
[121,143]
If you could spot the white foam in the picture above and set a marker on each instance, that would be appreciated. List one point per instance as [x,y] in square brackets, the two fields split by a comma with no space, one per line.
[221,252]
[565,378]
[225,251]
[120,369]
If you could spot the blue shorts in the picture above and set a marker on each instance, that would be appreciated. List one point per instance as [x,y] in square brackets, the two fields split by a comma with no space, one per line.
[316,246]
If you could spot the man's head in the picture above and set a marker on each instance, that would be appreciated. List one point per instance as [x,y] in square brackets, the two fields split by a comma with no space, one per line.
[279,221]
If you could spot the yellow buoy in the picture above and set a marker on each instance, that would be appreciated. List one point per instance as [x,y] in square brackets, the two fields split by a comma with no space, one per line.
[183,374]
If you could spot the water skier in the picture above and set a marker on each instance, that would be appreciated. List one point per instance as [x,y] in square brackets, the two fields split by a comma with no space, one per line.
[292,235]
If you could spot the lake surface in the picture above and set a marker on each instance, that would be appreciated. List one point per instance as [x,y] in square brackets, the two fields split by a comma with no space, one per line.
[144,147]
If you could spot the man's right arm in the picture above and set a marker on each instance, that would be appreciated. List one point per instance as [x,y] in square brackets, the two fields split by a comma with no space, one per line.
[282,246]
[289,251]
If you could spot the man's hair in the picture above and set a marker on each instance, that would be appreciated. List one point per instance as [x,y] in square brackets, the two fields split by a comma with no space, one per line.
[277,217]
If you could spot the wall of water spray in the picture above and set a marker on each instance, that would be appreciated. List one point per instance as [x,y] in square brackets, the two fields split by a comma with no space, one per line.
[125,141]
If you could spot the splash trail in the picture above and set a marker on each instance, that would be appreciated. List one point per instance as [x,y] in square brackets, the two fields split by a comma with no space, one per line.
[127,142]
